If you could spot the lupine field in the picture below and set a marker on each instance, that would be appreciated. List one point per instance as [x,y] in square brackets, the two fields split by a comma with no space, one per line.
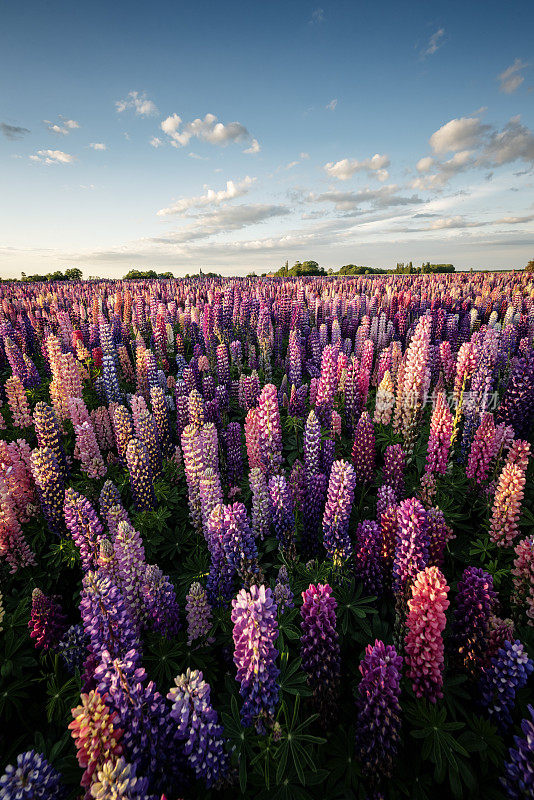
[267,538]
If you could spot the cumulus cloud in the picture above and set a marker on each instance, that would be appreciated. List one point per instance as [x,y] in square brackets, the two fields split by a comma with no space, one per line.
[345,169]
[156,142]
[444,171]
[207,130]
[434,43]
[52,157]
[138,102]
[511,79]
[233,189]
[514,143]
[331,106]
[229,218]
[254,147]
[424,164]
[13,132]
[63,127]
[464,133]
[98,146]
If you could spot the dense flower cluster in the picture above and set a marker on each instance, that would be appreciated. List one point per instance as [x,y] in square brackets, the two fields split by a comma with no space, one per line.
[319,647]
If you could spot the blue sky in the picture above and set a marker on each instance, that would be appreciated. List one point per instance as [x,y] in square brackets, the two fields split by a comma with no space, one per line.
[235,136]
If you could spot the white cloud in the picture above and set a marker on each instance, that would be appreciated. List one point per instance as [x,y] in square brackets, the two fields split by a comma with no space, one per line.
[52,157]
[434,43]
[514,143]
[63,127]
[207,130]
[233,189]
[98,146]
[254,147]
[447,223]
[331,106]
[510,79]
[515,220]
[345,169]
[197,157]
[229,218]
[458,134]
[384,197]
[424,164]
[137,102]
[317,16]
[156,141]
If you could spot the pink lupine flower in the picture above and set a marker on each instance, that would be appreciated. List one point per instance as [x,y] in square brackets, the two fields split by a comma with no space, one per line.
[507,505]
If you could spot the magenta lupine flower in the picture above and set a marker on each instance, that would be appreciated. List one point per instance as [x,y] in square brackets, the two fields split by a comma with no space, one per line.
[261,503]
[319,647]
[84,527]
[439,441]
[439,535]
[378,711]
[393,472]
[475,602]
[363,449]
[368,562]
[47,622]
[411,550]
[48,478]
[424,641]
[482,449]
[340,498]
[255,632]
[282,514]
[49,435]
[141,479]
[161,609]
[13,545]
[518,782]
[269,430]
[198,613]
[416,375]
[327,385]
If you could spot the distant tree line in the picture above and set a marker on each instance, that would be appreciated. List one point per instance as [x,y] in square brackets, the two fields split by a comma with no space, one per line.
[312,268]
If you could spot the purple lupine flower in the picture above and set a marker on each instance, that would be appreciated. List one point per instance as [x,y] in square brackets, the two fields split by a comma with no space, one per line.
[411,550]
[147,433]
[115,515]
[283,595]
[161,418]
[517,405]
[234,456]
[337,511]
[518,781]
[261,503]
[221,575]
[378,712]
[211,495]
[294,359]
[50,485]
[385,497]
[198,728]
[109,497]
[141,478]
[509,671]
[161,608]
[47,621]
[106,618]
[312,445]
[32,778]
[363,449]
[238,543]
[368,562]
[269,430]
[313,511]
[393,472]
[130,555]
[84,527]
[210,445]
[327,385]
[73,648]
[475,602]
[198,613]
[223,365]
[49,434]
[194,466]
[327,456]
[282,514]
[319,647]
[439,534]
[255,632]
[118,779]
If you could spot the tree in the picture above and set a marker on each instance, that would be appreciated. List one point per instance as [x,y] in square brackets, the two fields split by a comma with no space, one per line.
[530,267]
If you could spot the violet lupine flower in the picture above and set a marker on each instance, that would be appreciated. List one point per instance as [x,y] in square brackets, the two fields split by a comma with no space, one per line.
[261,503]
[411,550]
[313,511]
[378,710]
[115,515]
[255,632]
[234,458]
[500,631]
[211,495]
[509,671]
[363,449]
[327,456]
[439,441]
[518,781]
[340,498]
[312,445]
[517,405]
[130,555]
[425,624]
[294,359]
[393,472]
[475,602]
[269,430]
[194,467]
[283,595]
[32,778]
[49,435]
[106,617]
[327,385]
[239,544]
[161,608]
[282,514]
[47,621]
[161,418]
[84,527]
[319,647]
[141,479]
[368,563]
[50,487]
[73,648]
[198,613]
[118,780]
[482,449]
[198,728]
[439,535]
[221,575]
[385,497]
